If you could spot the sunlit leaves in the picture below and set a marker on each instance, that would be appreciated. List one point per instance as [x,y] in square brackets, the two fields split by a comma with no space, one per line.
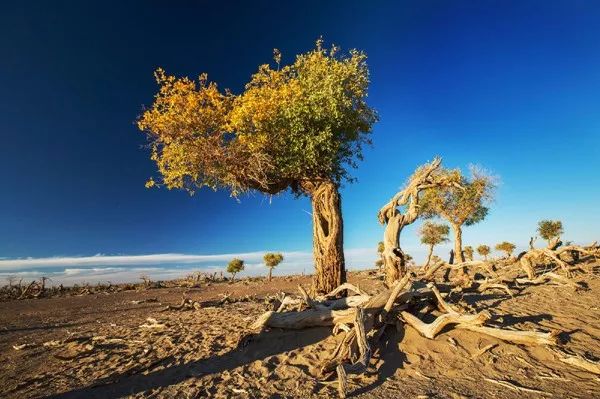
[302,122]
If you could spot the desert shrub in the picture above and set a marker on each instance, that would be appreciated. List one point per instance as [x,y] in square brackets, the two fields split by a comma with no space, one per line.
[271,261]
[234,267]
[483,250]
[506,247]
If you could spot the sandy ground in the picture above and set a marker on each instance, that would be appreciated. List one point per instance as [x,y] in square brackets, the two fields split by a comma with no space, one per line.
[114,351]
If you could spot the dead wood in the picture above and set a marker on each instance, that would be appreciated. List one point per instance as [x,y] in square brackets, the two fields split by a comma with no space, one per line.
[430,330]
[578,361]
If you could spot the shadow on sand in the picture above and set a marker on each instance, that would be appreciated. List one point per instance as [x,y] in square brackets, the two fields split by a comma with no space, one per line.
[259,346]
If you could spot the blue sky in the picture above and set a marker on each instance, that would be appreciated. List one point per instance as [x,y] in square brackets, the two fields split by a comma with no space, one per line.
[510,85]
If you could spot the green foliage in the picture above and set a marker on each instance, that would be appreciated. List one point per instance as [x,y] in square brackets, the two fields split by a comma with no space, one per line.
[483,250]
[506,247]
[235,266]
[379,263]
[380,247]
[272,259]
[468,250]
[307,121]
[550,229]
[434,233]
[459,204]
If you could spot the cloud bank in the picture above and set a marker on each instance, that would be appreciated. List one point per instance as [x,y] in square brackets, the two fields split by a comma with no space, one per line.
[69,270]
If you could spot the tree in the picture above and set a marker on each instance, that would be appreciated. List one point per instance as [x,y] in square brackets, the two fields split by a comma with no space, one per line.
[484,251]
[463,204]
[271,261]
[551,230]
[433,234]
[468,252]
[506,247]
[234,267]
[299,127]
[380,248]
[403,209]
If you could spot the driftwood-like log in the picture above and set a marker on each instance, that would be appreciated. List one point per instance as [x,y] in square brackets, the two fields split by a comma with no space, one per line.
[343,287]
[578,361]
[517,337]
[305,319]
[430,330]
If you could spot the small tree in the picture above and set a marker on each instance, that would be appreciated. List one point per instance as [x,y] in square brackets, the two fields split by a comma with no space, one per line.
[433,234]
[380,248]
[484,251]
[506,247]
[463,204]
[468,252]
[550,230]
[234,267]
[271,261]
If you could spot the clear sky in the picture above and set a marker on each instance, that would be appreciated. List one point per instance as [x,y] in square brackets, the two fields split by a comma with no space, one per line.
[513,86]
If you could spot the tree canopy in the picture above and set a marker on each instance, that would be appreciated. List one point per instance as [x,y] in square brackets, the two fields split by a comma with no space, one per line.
[550,229]
[434,233]
[235,266]
[468,251]
[506,247]
[272,259]
[464,203]
[293,124]
[483,250]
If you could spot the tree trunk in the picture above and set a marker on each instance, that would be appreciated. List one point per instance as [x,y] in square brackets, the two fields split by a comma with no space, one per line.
[458,253]
[393,257]
[270,273]
[328,235]
[428,257]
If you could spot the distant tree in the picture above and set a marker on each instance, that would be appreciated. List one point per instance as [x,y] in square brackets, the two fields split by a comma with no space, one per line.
[271,261]
[551,230]
[380,248]
[468,252]
[484,251]
[299,127]
[506,247]
[433,234]
[234,267]
[460,205]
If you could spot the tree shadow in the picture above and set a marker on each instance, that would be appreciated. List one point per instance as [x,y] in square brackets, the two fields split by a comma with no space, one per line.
[392,357]
[252,348]
[511,320]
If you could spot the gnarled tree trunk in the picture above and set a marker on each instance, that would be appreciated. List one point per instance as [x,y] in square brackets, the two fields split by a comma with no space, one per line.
[393,257]
[426,266]
[328,235]
[458,253]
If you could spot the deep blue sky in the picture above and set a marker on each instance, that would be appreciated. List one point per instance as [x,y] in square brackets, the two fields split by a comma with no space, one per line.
[510,85]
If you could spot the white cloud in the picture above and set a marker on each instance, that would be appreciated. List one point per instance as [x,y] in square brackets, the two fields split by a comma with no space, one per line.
[127,268]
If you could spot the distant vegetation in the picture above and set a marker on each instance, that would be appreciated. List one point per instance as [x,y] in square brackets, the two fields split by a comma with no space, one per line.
[235,266]
[271,261]
[506,247]
[433,234]
[550,230]
[484,251]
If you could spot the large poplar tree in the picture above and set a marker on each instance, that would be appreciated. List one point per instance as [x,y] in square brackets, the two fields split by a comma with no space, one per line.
[298,127]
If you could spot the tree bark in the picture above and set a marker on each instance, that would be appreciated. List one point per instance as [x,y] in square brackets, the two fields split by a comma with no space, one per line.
[428,257]
[393,257]
[328,235]
[270,273]
[458,253]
